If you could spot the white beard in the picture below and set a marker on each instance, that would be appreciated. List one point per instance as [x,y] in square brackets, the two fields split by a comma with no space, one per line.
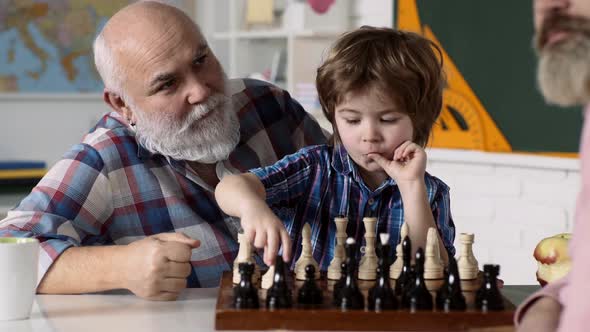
[563,71]
[207,140]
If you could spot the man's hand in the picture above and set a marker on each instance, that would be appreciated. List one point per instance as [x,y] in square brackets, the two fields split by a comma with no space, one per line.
[408,163]
[159,265]
[263,228]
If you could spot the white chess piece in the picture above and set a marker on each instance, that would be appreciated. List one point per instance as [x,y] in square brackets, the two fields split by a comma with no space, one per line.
[306,257]
[368,264]
[396,267]
[433,265]
[268,278]
[468,266]
[334,268]
[245,252]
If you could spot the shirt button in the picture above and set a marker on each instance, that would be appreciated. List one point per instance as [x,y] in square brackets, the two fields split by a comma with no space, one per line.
[371,201]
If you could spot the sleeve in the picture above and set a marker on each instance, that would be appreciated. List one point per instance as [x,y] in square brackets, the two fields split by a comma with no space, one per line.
[552,290]
[441,211]
[67,208]
[288,179]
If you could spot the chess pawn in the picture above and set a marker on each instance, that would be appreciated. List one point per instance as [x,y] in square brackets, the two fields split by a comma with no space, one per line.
[488,297]
[245,294]
[245,252]
[433,265]
[368,265]
[396,267]
[306,257]
[278,296]
[403,282]
[381,296]
[334,271]
[339,284]
[310,294]
[419,297]
[450,296]
[468,266]
[267,278]
[351,297]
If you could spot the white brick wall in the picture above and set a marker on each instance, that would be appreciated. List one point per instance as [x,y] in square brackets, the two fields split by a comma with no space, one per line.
[510,202]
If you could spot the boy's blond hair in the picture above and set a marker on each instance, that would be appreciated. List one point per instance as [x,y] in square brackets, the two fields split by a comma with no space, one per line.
[401,65]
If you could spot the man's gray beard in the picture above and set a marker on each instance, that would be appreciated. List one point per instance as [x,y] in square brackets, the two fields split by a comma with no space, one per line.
[205,140]
[563,71]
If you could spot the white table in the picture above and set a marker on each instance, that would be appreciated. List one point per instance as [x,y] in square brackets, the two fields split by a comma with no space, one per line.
[119,311]
[115,311]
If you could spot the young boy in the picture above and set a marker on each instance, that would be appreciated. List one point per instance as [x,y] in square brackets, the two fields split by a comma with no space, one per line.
[382,91]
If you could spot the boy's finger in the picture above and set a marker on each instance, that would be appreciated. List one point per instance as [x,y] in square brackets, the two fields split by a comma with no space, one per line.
[249,235]
[286,243]
[379,159]
[272,246]
[260,239]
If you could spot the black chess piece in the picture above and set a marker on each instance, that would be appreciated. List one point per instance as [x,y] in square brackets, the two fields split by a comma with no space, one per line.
[450,297]
[404,281]
[381,296]
[278,296]
[310,294]
[351,297]
[336,292]
[488,297]
[419,298]
[245,294]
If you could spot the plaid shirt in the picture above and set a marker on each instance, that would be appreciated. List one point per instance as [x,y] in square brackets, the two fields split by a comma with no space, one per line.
[319,183]
[108,190]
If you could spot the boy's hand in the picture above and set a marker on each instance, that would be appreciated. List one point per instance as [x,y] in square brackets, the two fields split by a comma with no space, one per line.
[408,163]
[262,227]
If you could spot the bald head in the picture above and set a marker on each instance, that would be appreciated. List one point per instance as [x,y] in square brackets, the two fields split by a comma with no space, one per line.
[130,35]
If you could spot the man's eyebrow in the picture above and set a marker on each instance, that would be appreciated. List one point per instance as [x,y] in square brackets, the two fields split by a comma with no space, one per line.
[164,77]
[200,50]
[161,77]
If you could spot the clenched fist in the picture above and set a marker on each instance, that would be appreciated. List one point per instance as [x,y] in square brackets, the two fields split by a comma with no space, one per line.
[159,265]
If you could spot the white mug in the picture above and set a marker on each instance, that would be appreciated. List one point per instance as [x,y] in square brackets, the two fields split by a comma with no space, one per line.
[18,276]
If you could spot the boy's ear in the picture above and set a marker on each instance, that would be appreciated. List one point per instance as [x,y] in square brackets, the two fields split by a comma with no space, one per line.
[117,103]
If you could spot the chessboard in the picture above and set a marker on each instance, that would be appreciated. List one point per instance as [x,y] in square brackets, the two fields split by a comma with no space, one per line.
[328,317]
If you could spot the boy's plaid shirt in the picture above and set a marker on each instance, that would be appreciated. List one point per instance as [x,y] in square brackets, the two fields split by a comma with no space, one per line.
[319,183]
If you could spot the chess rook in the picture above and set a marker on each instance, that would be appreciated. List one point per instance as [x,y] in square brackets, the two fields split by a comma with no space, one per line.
[468,266]
[334,269]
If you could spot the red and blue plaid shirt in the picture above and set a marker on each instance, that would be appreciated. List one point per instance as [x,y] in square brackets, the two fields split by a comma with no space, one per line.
[319,183]
[108,190]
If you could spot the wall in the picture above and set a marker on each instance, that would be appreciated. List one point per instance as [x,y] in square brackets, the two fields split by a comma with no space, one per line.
[510,202]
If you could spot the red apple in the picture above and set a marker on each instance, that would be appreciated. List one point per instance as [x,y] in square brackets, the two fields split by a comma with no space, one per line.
[552,258]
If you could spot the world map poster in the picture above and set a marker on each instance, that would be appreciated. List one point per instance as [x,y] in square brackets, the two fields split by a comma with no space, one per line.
[46,46]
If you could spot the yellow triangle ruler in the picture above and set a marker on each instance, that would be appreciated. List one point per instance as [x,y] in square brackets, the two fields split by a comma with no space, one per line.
[464,122]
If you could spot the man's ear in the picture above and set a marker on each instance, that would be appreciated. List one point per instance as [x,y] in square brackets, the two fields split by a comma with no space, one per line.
[117,103]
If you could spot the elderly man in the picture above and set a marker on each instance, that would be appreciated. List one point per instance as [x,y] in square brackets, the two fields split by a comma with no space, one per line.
[563,44]
[133,205]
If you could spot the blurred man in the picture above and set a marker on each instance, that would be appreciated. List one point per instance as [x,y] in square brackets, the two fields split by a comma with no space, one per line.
[562,42]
